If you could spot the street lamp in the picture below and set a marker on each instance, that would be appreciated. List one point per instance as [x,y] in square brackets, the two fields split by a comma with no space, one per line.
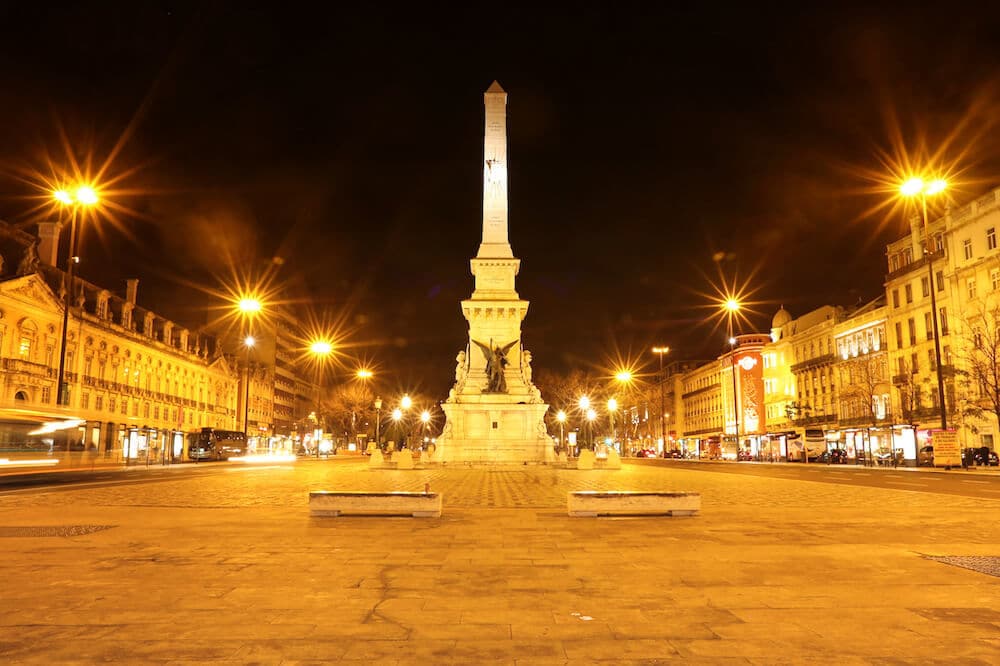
[378,421]
[249,342]
[612,408]
[320,349]
[916,187]
[584,404]
[660,351]
[425,418]
[84,195]
[732,306]
[591,415]
[736,406]
[397,415]
[248,307]
[561,418]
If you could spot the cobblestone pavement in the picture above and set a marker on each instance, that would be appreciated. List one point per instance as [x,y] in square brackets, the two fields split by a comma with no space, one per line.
[230,568]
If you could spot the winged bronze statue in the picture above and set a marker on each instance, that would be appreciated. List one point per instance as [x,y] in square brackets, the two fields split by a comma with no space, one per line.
[496,361]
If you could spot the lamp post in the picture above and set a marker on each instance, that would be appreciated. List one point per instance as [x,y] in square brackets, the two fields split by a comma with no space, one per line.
[397,415]
[320,349]
[736,407]
[83,196]
[732,307]
[249,342]
[561,418]
[591,415]
[248,307]
[612,408]
[584,404]
[378,421]
[660,351]
[425,418]
[917,187]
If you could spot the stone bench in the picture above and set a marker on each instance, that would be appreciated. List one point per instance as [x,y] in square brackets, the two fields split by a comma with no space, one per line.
[590,503]
[326,503]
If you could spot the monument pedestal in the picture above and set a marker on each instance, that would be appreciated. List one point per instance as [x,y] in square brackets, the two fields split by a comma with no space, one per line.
[494,432]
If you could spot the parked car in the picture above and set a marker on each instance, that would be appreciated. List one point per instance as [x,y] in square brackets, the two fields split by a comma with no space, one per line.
[645,453]
[975,457]
[925,456]
[673,453]
[744,455]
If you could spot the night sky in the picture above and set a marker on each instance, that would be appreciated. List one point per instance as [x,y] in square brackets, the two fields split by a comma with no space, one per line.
[651,152]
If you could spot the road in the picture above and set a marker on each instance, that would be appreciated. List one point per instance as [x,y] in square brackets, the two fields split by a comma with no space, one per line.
[975,482]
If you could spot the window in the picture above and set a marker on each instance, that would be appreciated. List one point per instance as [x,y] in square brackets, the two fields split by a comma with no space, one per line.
[939,243]
[970,287]
[943,320]
[99,402]
[909,293]
[901,362]
[946,355]
[899,335]
[914,363]
[111,404]
[24,346]
[967,248]
[991,238]
[895,297]
[893,263]
[931,361]
[47,394]
[124,406]
[929,325]
[911,326]
[906,257]
[925,287]
[939,276]
[85,400]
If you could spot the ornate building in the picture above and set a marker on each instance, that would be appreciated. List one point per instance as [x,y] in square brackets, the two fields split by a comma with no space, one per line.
[137,380]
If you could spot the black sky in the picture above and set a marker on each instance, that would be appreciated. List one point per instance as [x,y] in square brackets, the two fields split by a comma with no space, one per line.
[643,141]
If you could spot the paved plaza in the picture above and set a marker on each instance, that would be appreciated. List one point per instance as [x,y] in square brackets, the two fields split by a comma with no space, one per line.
[228,567]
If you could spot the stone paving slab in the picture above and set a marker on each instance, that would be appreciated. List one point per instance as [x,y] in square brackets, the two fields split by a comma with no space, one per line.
[230,568]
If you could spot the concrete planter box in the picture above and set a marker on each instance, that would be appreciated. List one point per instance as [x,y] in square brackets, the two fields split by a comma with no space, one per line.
[323,503]
[590,503]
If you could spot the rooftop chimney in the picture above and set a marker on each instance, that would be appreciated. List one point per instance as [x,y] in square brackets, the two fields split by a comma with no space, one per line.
[48,246]
[131,287]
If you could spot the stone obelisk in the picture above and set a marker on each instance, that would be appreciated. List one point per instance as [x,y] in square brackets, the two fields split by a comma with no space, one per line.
[494,414]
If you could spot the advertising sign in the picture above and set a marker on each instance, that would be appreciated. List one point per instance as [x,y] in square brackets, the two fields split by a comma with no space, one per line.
[946,448]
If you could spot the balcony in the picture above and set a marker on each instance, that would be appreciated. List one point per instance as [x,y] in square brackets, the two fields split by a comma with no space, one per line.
[825,359]
[821,419]
[914,266]
[28,368]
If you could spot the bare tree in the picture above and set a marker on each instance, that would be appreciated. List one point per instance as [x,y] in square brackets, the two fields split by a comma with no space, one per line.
[979,356]
[865,391]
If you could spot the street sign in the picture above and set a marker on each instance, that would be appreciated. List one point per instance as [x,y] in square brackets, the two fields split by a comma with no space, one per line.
[946,448]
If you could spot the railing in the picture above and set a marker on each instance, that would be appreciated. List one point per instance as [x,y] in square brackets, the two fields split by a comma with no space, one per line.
[914,265]
[825,359]
[962,212]
[986,200]
[29,368]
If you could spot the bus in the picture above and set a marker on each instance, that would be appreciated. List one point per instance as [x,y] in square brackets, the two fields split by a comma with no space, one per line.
[213,444]
[812,440]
